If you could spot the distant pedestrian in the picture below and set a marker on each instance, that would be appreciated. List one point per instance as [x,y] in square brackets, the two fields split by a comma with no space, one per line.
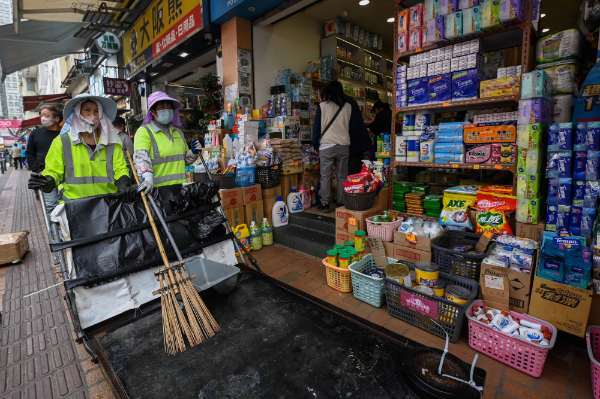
[39,144]
[16,155]
[119,124]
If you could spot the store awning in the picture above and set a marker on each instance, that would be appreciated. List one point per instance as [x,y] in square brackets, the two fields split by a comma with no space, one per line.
[30,103]
[37,42]
[27,123]
[55,10]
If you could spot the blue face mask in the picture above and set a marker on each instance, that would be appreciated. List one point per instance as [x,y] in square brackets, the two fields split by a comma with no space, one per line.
[164,116]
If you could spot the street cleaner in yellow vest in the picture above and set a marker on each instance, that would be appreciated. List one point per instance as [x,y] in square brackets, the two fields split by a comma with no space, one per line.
[88,159]
[161,152]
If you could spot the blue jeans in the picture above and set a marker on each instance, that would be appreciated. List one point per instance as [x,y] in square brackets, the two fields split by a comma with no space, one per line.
[52,200]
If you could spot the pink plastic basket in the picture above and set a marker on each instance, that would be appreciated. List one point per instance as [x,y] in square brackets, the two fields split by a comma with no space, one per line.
[514,352]
[385,230]
[592,336]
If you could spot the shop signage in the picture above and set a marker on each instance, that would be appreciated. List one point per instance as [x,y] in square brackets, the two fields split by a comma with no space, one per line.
[109,43]
[164,24]
[9,123]
[118,87]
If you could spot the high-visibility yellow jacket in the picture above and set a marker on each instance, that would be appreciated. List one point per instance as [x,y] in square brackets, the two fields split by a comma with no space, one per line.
[80,172]
[168,156]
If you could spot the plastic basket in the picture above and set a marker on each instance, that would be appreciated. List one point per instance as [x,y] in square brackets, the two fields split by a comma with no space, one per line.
[225,180]
[366,288]
[592,336]
[245,177]
[338,278]
[267,176]
[517,353]
[422,310]
[359,201]
[384,230]
[454,262]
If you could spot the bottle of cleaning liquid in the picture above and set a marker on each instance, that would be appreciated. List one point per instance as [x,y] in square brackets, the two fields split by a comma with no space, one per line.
[313,197]
[228,143]
[305,197]
[387,144]
[279,213]
[236,146]
[294,201]
[380,143]
[255,236]
[267,232]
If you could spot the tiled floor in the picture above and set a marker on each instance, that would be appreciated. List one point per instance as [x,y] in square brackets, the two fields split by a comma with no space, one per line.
[566,373]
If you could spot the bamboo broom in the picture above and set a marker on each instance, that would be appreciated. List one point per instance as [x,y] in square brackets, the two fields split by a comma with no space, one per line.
[197,323]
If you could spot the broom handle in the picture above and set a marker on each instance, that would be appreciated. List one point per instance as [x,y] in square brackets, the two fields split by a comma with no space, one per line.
[154,228]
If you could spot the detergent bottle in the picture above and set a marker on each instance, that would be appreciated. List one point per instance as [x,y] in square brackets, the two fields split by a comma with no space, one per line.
[313,197]
[255,237]
[279,213]
[241,232]
[305,197]
[267,232]
[294,201]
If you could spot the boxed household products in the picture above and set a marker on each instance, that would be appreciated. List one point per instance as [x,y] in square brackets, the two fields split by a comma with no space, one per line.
[494,132]
[348,221]
[560,292]
[337,26]
[13,247]
[558,46]
[413,239]
[500,87]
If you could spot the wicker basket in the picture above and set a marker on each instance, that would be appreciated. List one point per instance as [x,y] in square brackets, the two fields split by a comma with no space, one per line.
[338,278]
[267,176]
[359,201]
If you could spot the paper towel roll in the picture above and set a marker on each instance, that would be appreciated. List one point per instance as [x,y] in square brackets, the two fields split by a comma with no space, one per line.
[400,150]
[561,108]
[412,156]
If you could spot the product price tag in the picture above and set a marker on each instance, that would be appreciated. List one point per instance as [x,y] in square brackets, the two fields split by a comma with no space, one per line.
[475,166]
[411,237]
[384,154]
[497,166]
[418,50]
[352,221]
[455,165]
[445,104]
[276,167]
[488,234]
[494,282]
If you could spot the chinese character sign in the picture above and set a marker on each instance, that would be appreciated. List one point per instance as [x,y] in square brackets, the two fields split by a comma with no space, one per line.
[163,25]
[109,43]
[117,87]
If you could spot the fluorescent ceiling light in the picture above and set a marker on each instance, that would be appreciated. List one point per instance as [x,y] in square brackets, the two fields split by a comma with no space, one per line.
[153,73]
[183,55]
[545,30]
[167,65]
[363,2]
[142,80]
[542,16]
[390,19]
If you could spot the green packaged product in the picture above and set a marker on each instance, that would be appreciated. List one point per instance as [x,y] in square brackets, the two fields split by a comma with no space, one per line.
[531,136]
[528,210]
[529,185]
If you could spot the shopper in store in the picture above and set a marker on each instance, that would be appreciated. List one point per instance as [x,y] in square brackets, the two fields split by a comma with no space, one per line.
[161,152]
[339,133]
[88,159]
[382,122]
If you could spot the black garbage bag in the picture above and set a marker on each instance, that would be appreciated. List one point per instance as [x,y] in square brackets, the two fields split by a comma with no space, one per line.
[203,225]
[194,195]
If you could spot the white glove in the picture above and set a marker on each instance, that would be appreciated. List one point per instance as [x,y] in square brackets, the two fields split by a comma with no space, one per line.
[147,183]
[190,157]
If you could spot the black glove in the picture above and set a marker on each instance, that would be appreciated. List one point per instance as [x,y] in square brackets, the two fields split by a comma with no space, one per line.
[37,182]
[125,189]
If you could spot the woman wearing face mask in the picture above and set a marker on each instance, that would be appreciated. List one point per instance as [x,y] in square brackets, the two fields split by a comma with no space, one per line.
[161,153]
[88,159]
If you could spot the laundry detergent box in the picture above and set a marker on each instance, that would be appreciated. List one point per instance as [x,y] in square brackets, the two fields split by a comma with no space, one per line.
[490,15]
[478,153]
[465,84]
[418,91]
[536,84]
[471,20]
[531,135]
[560,136]
[587,136]
[511,11]
[440,88]
[453,25]
[491,132]
[534,110]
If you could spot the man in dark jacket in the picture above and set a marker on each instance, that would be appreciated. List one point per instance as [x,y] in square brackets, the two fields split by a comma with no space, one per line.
[39,144]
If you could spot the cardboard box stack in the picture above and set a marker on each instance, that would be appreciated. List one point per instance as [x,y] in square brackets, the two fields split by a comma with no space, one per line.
[232,202]
[411,247]
[253,204]
[347,222]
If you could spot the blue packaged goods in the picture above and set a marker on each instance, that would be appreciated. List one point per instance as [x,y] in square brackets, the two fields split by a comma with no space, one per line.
[575,220]
[408,121]
[562,217]
[587,136]
[451,127]
[552,198]
[551,215]
[427,143]
[592,169]
[559,164]
[534,110]
[440,88]
[551,269]
[587,221]
[449,137]
[563,191]
[418,91]
[446,158]
[585,193]
[449,148]
[536,84]
[560,136]
[465,84]
[579,169]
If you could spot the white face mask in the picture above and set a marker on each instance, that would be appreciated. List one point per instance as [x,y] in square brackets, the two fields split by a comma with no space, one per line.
[164,116]
[47,122]
[90,123]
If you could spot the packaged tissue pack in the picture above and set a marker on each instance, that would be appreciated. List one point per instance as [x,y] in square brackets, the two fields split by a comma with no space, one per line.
[465,84]
[440,88]
[424,35]
[453,25]
[448,7]
[450,132]
[418,91]
[431,9]
[490,14]
[511,11]
[448,158]
[478,153]
[414,38]
[403,42]
[559,164]
[403,21]
[535,110]
[529,161]
[491,132]
[559,191]
[551,214]
[529,186]
[587,136]
[449,148]
[558,46]
[415,16]
[560,137]
[463,4]
[500,87]
[435,31]
[528,210]
[536,84]
[531,135]
[585,193]
[471,20]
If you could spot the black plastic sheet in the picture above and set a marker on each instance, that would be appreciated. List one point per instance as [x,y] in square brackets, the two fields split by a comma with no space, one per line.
[138,250]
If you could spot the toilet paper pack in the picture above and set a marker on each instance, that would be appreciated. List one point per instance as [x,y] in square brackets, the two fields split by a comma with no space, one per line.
[528,210]
[561,108]
[435,31]
[453,25]
[471,20]
[587,136]
[490,15]
[511,11]
[440,88]
[465,84]
[536,84]
[529,161]
[448,7]
[418,91]
[462,4]
[535,110]
[531,135]
[528,186]
[560,136]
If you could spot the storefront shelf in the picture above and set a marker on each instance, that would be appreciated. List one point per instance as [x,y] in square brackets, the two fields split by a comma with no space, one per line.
[376,86]
[358,82]
[511,168]
[479,103]
[353,63]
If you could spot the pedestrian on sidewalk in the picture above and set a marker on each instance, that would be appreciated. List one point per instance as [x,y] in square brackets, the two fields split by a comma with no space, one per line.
[119,124]
[161,152]
[16,156]
[88,159]
[338,133]
[39,145]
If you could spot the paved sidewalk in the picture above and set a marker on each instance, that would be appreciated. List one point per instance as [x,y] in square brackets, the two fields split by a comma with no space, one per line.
[38,355]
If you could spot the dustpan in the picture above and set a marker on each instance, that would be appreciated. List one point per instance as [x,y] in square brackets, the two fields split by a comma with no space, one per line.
[209,273]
